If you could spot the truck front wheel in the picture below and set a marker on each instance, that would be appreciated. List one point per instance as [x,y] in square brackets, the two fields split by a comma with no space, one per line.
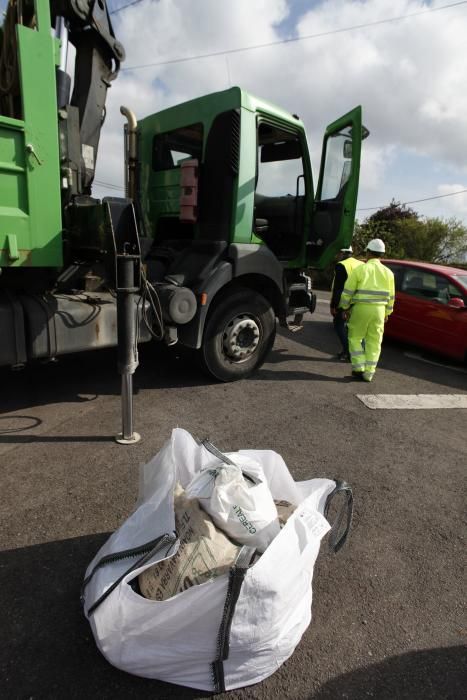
[238,334]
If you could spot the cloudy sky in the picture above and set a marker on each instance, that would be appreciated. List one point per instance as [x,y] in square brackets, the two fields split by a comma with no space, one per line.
[408,74]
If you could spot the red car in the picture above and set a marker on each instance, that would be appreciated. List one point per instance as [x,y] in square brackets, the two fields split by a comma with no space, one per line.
[430,308]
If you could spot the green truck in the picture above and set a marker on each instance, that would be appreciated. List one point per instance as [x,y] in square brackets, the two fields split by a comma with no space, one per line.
[221,221]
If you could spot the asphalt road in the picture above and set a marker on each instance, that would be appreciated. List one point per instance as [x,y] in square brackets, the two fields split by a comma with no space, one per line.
[388,614]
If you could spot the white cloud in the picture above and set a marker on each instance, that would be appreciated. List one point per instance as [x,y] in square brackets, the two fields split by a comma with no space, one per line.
[408,75]
[374,164]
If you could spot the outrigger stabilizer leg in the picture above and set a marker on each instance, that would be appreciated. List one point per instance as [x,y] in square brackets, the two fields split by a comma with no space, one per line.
[122,221]
[127,342]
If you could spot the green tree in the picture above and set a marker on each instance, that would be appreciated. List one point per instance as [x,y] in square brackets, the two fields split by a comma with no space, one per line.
[408,236]
[384,224]
[448,238]
[392,214]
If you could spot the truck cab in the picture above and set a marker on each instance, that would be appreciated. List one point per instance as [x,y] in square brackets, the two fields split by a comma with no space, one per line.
[255,180]
[226,195]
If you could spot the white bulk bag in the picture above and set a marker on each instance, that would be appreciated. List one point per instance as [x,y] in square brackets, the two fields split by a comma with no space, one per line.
[226,633]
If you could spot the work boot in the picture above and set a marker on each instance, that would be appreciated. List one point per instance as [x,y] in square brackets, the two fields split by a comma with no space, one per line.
[343,357]
[357,375]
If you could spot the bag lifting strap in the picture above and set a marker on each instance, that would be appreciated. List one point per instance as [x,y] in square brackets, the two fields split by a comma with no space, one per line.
[335,542]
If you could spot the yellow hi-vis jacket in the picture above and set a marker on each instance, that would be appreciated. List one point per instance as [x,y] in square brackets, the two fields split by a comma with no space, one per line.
[349,264]
[342,272]
[371,283]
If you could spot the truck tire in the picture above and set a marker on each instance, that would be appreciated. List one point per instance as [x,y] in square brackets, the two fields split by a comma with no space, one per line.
[238,335]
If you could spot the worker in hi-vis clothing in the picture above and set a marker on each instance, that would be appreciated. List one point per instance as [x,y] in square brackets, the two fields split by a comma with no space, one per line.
[368,299]
[345,264]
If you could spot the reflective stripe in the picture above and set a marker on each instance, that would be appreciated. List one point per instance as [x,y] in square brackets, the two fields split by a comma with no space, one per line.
[371,291]
[362,294]
[368,362]
[358,365]
[348,291]
[360,300]
[357,352]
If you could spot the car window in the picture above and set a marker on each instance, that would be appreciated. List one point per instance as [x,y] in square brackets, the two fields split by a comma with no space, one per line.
[427,285]
[462,279]
[457,292]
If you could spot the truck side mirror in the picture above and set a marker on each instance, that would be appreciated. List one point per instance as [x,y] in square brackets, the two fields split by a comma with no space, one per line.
[189,170]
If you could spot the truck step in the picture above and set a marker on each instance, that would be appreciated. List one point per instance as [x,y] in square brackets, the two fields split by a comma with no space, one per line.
[293,328]
[296,325]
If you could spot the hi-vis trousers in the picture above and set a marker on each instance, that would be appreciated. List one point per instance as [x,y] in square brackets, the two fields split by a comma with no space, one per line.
[366,328]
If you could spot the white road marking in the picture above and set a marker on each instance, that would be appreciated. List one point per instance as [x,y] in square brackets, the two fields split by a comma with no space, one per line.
[322,301]
[413,401]
[413,356]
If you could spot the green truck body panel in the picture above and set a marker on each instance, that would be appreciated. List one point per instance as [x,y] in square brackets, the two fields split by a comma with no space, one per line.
[244,194]
[30,204]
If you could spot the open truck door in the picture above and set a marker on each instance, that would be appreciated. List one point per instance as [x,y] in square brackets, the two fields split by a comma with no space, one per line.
[336,194]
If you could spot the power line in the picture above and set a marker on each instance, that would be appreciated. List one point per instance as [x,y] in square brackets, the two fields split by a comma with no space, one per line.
[293,39]
[107,184]
[124,7]
[416,201]
[110,185]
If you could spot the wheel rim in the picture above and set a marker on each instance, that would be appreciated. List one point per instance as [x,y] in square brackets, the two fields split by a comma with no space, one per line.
[240,338]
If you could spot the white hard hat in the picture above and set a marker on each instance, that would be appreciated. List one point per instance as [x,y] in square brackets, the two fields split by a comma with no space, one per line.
[347,250]
[376,246]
